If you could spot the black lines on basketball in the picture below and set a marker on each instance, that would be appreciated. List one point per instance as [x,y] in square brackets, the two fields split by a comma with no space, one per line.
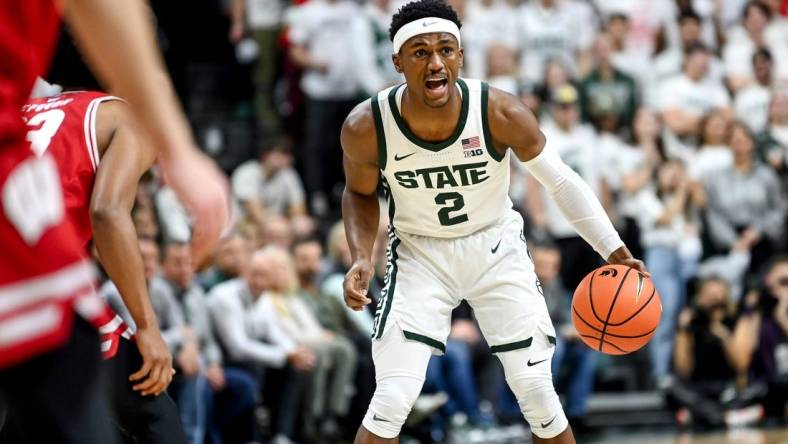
[642,307]
[591,298]
[611,334]
[603,342]
[612,304]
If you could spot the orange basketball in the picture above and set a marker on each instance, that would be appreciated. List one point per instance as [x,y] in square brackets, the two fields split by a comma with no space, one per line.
[616,309]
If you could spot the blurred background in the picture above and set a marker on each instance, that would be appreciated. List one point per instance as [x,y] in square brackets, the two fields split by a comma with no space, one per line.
[674,111]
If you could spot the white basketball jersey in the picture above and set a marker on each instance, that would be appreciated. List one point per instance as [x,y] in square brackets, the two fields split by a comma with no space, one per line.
[447,189]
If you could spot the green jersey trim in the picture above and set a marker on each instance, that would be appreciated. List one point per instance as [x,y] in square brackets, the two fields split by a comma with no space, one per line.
[403,126]
[380,131]
[488,140]
[424,340]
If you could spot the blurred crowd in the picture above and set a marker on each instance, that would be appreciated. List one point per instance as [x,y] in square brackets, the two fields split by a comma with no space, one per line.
[674,111]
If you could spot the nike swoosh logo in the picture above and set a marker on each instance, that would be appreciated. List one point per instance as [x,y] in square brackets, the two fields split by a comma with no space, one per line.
[425,24]
[531,364]
[495,248]
[547,424]
[397,157]
[377,418]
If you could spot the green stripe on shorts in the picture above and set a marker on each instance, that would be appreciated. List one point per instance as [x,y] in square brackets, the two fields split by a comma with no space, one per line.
[392,283]
[424,340]
[512,346]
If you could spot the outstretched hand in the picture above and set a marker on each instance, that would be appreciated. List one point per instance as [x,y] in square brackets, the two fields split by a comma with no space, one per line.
[356,284]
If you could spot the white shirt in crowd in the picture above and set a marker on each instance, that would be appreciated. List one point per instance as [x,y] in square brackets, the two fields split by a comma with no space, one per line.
[646,18]
[577,149]
[264,14]
[708,161]
[544,36]
[484,26]
[674,234]
[246,326]
[694,99]
[739,48]
[617,160]
[751,106]
[277,194]
[336,33]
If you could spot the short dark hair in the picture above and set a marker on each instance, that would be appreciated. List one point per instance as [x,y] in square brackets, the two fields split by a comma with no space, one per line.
[692,48]
[762,52]
[758,5]
[689,14]
[165,249]
[308,239]
[422,9]
[281,144]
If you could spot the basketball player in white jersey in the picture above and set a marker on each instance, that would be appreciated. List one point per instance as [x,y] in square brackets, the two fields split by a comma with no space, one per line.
[440,145]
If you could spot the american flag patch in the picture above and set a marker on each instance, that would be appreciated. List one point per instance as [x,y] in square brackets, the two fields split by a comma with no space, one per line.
[471,143]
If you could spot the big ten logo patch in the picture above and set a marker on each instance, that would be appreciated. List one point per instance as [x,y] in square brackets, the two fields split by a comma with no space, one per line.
[472,147]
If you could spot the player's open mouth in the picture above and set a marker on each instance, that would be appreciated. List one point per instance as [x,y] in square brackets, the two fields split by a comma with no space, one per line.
[436,87]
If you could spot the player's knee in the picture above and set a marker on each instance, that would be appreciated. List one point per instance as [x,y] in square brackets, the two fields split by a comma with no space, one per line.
[391,404]
[540,405]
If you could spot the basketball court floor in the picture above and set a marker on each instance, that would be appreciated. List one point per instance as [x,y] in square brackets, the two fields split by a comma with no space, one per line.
[740,436]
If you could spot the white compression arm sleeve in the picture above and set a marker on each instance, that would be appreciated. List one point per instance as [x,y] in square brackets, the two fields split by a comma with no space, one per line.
[576,201]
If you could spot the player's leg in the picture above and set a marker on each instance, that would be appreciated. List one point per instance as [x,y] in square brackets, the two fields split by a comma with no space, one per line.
[149,419]
[513,317]
[400,368]
[412,323]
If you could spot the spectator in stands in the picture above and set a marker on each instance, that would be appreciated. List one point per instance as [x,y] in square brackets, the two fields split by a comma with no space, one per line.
[751,103]
[330,282]
[756,30]
[745,202]
[542,25]
[278,231]
[335,317]
[201,382]
[252,339]
[229,257]
[669,227]
[487,24]
[575,144]
[269,185]
[685,99]
[331,42]
[502,68]
[336,357]
[379,13]
[702,360]
[573,362]
[637,167]
[145,222]
[263,22]
[714,155]
[609,97]
[760,338]
[669,62]
[773,141]
[174,219]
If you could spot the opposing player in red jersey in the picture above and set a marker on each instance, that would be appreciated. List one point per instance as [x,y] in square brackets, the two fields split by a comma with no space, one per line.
[48,357]
[101,153]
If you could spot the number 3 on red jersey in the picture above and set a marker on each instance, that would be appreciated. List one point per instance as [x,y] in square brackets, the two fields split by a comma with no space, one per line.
[32,194]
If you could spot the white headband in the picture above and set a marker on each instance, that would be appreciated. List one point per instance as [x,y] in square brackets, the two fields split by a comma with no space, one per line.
[424,26]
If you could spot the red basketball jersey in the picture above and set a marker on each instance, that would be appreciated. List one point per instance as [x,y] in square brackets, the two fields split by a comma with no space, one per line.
[65,127]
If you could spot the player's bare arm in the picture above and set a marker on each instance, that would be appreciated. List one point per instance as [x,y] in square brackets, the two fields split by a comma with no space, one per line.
[128,62]
[360,208]
[513,125]
[125,156]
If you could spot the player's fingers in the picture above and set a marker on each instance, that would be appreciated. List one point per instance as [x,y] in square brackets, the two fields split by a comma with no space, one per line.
[142,372]
[357,297]
[153,383]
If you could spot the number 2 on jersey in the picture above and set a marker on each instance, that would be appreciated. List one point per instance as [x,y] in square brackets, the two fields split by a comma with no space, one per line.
[457,203]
